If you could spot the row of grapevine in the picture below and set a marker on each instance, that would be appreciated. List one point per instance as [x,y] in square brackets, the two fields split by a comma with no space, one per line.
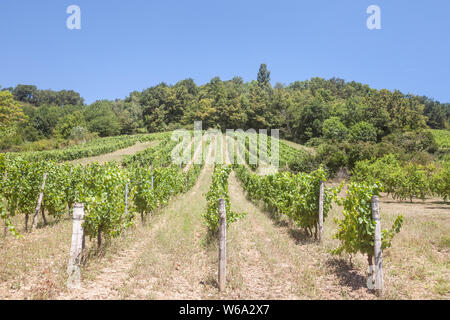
[294,195]
[256,152]
[297,196]
[100,187]
[219,190]
[156,157]
[405,180]
[89,149]
[356,229]
[243,142]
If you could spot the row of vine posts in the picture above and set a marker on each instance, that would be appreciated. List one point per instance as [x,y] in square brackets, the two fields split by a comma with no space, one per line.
[78,242]
[376,272]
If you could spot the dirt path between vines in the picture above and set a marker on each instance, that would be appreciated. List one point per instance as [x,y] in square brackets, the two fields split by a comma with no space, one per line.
[264,260]
[172,257]
[150,252]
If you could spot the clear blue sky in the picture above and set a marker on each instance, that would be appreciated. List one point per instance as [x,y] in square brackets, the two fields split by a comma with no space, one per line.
[131,45]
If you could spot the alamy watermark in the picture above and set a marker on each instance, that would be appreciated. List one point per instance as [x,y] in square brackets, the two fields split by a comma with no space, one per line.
[74,20]
[374,20]
[230,147]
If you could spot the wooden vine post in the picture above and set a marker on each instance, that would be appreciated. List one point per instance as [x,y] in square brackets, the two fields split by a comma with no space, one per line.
[321,195]
[5,228]
[38,207]
[126,199]
[76,249]
[222,244]
[377,247]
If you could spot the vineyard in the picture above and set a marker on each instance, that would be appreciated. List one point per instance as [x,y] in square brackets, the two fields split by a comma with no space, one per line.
[151,224]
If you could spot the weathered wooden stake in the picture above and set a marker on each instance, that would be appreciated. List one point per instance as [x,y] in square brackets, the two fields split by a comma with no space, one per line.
[152,182]
[321,194]
[43,216]
[73,270]
[377,252]
[222,244]
[5,229]
[38,207]
[126,199]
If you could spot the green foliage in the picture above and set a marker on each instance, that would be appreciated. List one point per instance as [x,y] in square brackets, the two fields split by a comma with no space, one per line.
[219,190]
[103,196]
[10,111]
[304,211]
[363,131]
[263,75]
[101,118]
[356,230]
[413,141]
[442,138]
[22,185]
[301,110]
[334,129]
[295,195]
[167,182]
[89,149]
[412,182]
[304,162]
[440,182]
[402,180]
[4,215]
[100,187]
[66,125]
[30,94]
[332,156]
[55,197]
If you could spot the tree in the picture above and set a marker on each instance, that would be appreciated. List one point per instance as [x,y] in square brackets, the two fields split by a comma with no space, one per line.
[10,111]
[67,123]
[45,119]
[100,118]
[334,129]
[310,120]
[259,113]
[25,93]
[363,131]
[263,75]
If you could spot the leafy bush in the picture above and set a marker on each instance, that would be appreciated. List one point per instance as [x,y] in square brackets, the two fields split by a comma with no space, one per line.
[304,162]
[333,157]
[363,131]
[356,230]
[315,142]
[440,182]
[334,129]
[413,141]
[403,180]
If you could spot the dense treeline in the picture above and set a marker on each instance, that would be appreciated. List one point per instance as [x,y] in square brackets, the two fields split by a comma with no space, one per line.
[32,95]
[305,111]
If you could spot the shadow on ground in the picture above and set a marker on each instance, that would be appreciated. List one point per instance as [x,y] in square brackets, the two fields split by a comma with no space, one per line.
[301,237]
[348,276]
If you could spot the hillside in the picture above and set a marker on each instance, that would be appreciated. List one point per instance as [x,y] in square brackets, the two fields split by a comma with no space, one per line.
[170,254]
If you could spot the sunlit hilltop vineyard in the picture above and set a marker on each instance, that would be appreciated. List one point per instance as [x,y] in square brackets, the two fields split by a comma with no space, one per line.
[322,176]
